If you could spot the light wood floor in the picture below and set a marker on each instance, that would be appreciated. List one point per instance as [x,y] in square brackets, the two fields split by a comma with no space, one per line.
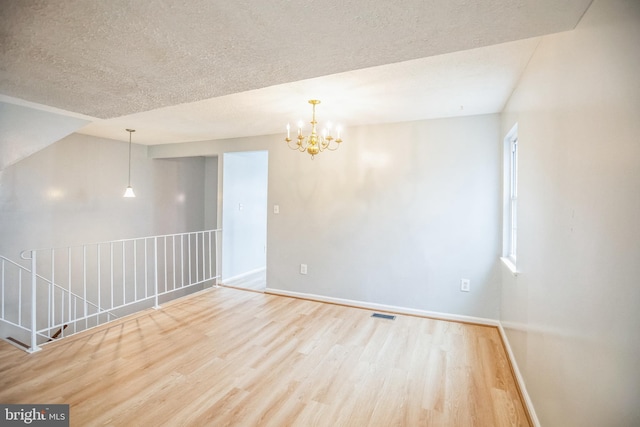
[231,357]
[256,281]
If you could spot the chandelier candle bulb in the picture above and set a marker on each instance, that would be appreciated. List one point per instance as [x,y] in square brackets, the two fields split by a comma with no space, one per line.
[288,131]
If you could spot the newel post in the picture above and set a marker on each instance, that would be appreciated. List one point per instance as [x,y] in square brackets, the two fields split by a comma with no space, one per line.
[155,275]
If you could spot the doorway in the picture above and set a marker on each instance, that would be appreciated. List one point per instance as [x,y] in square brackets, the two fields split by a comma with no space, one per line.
[244,219]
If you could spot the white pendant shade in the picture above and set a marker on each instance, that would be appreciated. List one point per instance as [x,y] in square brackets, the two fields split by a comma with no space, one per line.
[129,192]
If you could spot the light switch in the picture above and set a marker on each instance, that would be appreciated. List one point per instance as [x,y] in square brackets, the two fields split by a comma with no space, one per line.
[276,209]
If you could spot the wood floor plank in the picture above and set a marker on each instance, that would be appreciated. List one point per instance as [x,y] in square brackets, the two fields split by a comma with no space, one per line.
[232,357]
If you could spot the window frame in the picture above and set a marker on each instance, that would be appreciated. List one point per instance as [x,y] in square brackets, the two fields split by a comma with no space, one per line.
[510,214]
[513,200]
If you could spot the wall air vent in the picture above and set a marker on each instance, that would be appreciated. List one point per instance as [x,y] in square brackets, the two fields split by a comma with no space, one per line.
[384,316]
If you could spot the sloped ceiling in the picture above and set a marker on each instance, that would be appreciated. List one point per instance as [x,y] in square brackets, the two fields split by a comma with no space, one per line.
[24,131]
[180,71]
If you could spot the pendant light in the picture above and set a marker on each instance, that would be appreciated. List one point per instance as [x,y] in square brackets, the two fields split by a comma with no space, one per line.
[129,191]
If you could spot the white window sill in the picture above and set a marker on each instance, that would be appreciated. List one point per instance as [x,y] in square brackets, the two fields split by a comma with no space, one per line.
[510,265]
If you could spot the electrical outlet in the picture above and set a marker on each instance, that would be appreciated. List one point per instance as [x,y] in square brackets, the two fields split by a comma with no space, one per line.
[465,285]
[303,268]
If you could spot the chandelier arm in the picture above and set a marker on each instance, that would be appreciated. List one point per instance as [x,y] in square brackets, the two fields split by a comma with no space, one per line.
[295,147]
[299,147]
[327,144]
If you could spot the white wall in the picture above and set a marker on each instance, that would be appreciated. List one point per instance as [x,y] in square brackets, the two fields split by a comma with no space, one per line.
[398,215]
[244,218]
[25,130]
[211,193]
[572,315]
[71,193]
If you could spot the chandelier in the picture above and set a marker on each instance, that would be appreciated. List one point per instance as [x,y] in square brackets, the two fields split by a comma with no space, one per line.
[314,143]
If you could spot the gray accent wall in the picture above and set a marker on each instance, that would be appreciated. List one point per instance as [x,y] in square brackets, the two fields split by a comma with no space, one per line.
[572,315]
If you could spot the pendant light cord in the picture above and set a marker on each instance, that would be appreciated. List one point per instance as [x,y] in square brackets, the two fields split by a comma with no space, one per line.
[130,132]
[129,159]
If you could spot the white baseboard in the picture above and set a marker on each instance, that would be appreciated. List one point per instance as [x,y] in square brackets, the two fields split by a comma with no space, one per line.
[519,378]
[385,307]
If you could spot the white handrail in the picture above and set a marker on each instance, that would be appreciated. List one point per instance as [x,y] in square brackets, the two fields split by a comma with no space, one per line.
[81,286]
[217,230]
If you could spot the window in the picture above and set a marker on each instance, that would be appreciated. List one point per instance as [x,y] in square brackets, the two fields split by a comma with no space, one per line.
[510,239]
[513,202]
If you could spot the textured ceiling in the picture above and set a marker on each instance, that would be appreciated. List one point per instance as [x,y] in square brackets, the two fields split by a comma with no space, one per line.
[456,84]
[119,59]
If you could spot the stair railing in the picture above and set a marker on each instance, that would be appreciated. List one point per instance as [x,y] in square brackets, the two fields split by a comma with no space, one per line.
[14,314]
[79,287]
